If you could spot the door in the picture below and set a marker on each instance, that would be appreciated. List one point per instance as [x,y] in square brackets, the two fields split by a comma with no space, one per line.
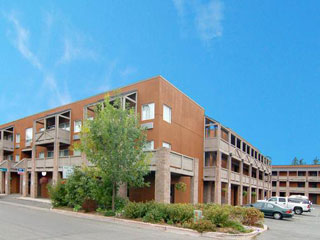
[282,202]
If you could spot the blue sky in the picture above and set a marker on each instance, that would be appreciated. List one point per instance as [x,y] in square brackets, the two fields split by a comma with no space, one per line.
[253,65]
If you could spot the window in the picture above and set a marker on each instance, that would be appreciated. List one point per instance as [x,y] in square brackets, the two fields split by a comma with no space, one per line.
[17,158]
[41,155]
[147,111]
[10,157]
[17,138]
[166,113]
[233,140]
[149,146]
[77,126]
[270,205]
[64,153]
[76,153]
[272,199]
[29,134]
[258,205]
[274,184]
[282,200]
[50,154]
[238,143]
[166,145]
[65,126]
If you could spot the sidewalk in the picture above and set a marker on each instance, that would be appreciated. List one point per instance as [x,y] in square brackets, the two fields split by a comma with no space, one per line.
[33,202]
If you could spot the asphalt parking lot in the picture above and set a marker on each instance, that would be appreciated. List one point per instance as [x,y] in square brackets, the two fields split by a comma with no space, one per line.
[305,226]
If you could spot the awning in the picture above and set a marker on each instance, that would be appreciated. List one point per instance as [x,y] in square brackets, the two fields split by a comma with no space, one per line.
[27,150]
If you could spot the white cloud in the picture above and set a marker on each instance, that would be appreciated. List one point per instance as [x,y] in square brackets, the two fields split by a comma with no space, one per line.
[74,49]
[206,16]
[208,20]
[21,42]
[127,71]
[21,39]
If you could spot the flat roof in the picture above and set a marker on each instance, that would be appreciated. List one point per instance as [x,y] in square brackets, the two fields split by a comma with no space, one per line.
[296,166]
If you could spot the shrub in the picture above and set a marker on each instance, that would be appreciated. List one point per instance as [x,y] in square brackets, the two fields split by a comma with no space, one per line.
[252,217]
[218,215]
[237,226]
[57,194]
[179,213]
[203,226]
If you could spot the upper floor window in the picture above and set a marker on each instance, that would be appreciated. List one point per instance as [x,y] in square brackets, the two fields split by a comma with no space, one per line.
[65,126]
[17,138]
[41,155]
[50,154]
[149,146]
[64,153]
[147,111]
[77,126]
[166,113]
[76,153]
[166,145]
[233,140]
[29,133]
[17,158]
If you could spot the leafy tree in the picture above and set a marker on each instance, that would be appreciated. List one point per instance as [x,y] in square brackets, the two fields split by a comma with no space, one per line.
[316,161]
[113,141]
[295,161]
[302,162]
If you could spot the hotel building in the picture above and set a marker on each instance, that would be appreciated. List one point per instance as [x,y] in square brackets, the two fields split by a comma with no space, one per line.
[214,162]
[296,180]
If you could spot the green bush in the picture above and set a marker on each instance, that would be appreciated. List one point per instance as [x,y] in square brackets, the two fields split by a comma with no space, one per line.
[84,185]
[252,217]
[218,215]
[57,194]
[178,213]
[203,226]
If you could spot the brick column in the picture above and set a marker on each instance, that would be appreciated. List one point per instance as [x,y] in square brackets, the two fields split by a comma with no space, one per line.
[56,150]
[217,189]
[163,176]
[194,188]
[7,181]
[34,175]
[1,173]
[229,180]
[287,184]
[250,180]
[25,178]
[241,184]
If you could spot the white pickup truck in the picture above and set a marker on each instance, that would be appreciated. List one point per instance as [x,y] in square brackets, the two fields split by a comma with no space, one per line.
[297,205]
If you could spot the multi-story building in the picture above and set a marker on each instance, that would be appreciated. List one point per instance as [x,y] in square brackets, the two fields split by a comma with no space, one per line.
[35,150]
[235,172]
[296,180]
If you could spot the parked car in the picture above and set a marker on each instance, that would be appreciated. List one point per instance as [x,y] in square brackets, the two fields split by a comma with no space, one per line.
[272,210]
[302,198]
[297,205]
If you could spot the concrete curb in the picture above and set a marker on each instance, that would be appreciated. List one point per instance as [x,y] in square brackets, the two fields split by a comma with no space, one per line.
[138,224]
[166,228]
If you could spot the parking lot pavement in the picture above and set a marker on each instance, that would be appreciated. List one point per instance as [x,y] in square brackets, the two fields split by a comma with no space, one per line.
[305,226]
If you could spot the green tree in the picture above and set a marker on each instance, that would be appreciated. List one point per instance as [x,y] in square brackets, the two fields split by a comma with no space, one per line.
[316,161]
[113,141]
[302,162]
[295,161]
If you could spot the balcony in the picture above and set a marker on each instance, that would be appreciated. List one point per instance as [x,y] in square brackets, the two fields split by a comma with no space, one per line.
[235,177]
[48,136]
[209,173]
[6,145]
[313,179]
[179,163]
[314,190]
[297,178]
[46,164]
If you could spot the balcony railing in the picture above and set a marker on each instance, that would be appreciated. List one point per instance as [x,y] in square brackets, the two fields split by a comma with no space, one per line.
[7,145]
[49,136]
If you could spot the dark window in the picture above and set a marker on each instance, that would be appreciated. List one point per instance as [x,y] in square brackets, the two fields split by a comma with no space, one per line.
[244,147]
[248,149]
[274,184]
[233,140]
[274,173]
[258,205]
[282,200]
[301,184]
[238,143]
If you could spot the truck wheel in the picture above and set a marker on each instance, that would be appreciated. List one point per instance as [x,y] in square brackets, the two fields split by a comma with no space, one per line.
[277,216]
[298,211]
